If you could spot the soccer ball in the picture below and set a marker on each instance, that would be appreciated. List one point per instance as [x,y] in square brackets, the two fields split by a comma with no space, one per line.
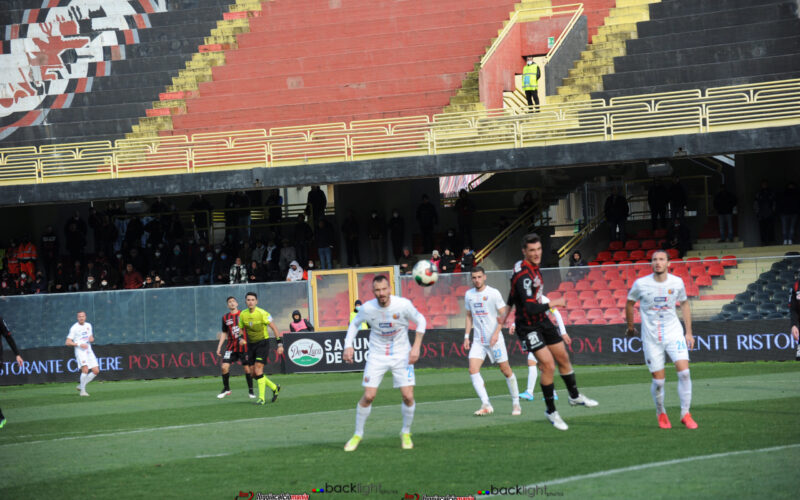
[425,273]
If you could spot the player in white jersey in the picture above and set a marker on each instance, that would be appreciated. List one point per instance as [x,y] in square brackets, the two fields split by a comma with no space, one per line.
[658,294]
[389,349]
[483,303]
[81,337]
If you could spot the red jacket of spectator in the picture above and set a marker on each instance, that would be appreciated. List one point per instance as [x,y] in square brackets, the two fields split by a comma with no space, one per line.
[132,280]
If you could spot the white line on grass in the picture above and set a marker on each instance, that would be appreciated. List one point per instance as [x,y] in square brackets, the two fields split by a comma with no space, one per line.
[203,424]
[215,455]
[632,468]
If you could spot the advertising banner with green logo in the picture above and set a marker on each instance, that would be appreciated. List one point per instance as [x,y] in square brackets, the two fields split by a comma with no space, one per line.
[322,351]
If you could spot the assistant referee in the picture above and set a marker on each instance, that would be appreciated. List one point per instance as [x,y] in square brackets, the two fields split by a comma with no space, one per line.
[254,322]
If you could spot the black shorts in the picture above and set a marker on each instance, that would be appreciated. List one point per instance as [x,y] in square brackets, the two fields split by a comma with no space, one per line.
[536,338]
[258,352]
[234,356]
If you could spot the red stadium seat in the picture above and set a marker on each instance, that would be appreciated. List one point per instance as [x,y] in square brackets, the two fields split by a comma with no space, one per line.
[729,261]
[693,291]
[590,303]
[554,295]
[632,245]
[619,320]
[615,284]
[716,270]
[594,275]
[648,245]
[599,285]
[649,254]
[574,304]
[576,314]
[586,294]
[581,321]
[673,253]
[594,313]
[620,255]
[624,263]
[604,256]
[566,286]
[644,234]
[697,271]
[621,302]
[594,263]
[439,321]
[615,245]
[608,302]
[571,295]
[711,259]
[612,313]
[660,233]
[704,280]
[690,260]
[638,255]
[598,321]
[604,294]
[620,293]
[583,285]
[611,274]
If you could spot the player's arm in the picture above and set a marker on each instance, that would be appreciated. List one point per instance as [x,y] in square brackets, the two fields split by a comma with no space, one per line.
[6,334]
[631,330]
[686,309]
[559,320]
[352,331]
[242,331]
[91,335]
[419,319]
[501,313]
[531,304]
[222,337]
[467,328]
[278,337]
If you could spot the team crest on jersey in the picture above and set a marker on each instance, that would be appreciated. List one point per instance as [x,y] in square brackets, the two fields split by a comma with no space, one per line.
[251,323]
[537,282]
[485,298]
[366,379]
[669,292]
[396,316]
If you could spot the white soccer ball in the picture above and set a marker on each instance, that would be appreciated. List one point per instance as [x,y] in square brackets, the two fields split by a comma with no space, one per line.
[425,273]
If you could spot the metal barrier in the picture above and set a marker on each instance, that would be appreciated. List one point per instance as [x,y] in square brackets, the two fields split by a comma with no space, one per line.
[717,109]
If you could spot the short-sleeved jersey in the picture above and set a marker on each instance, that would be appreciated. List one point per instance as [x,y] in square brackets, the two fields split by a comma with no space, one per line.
[657,306]
[483,306]
[389,326]
[526,296]
[230,325]
[80,334]
[254,325]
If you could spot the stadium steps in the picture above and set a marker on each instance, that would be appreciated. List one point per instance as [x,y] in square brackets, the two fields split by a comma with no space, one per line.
[689,45]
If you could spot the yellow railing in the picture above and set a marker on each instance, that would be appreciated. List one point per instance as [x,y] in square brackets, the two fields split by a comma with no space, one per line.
[717,109]
[578,237]
[533,14]
[527,217]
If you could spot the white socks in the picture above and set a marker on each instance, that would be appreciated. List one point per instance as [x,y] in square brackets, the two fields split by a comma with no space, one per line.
[685,391]
[408,416]
[511,382]
[480,388]
[83,381]
[89,377]
[533,372]
[657,390]
[361,418]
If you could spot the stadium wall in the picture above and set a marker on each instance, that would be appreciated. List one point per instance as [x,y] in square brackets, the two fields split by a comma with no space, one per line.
[322,352]
[570,51]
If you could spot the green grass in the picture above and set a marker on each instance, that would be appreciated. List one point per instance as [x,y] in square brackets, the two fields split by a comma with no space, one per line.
[174,439]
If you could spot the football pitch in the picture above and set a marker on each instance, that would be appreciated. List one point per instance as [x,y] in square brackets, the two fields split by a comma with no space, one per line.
[175,439]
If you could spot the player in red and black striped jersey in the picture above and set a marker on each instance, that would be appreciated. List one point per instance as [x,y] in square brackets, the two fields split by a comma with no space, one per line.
[234,349]
[536,331]
[6,334]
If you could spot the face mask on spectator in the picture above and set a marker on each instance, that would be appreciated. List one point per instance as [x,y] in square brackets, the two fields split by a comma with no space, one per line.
[23,276]
[158,254]
[223,256]
[119,255]
[104,283]
[202,249]
[209,258]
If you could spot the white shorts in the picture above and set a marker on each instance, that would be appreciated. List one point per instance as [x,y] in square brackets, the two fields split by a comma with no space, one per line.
[497,353]
[377,366]
[654,351]
[86,357]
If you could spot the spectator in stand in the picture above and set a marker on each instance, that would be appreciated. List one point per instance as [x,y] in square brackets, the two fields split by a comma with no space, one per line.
[274,210]
[91,285]
[286,256]
[202,211]
[351,243]
[616,212]
[397,234]
[96,223]
[465,211]
[452,240]
[724,202]
[258,252]
[317,200]
[576,261]
[27,255]
[12,261]
[131,279]
[155,232]
[133,233]
[49,250]
[376,230]
[76,277]
[678,199]
[789,207]
[59,279]
[467,260]
[8,285]
[173,227]
[678,238]
[325,241]
[310,267]
[238,272]
[205,270]
[24,284]
[269,262]
[75,241]
[158,261]
[295,272]
[658,199]
[427,219]
[39,284]
[302,237]
[300,324]
[222,269]
[255,273]
[357,307]
[448,262]
[406,262]
[436,259]
[764,208]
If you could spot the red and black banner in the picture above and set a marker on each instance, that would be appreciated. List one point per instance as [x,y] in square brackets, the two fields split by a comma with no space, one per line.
[322,352]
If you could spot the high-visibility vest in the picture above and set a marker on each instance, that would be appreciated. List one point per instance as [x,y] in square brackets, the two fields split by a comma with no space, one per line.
[26,251]
[530,77]
[13,262]
[362,326]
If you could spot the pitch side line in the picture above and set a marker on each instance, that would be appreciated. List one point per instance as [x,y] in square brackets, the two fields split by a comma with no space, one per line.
[203,424]
[633,468]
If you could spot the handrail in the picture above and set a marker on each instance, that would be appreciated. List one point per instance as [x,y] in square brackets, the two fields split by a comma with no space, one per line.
[772,104]
[589,228]
[520,221]
[557,10]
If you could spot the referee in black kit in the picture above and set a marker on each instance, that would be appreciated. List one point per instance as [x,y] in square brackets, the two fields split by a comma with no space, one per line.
[6,334]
